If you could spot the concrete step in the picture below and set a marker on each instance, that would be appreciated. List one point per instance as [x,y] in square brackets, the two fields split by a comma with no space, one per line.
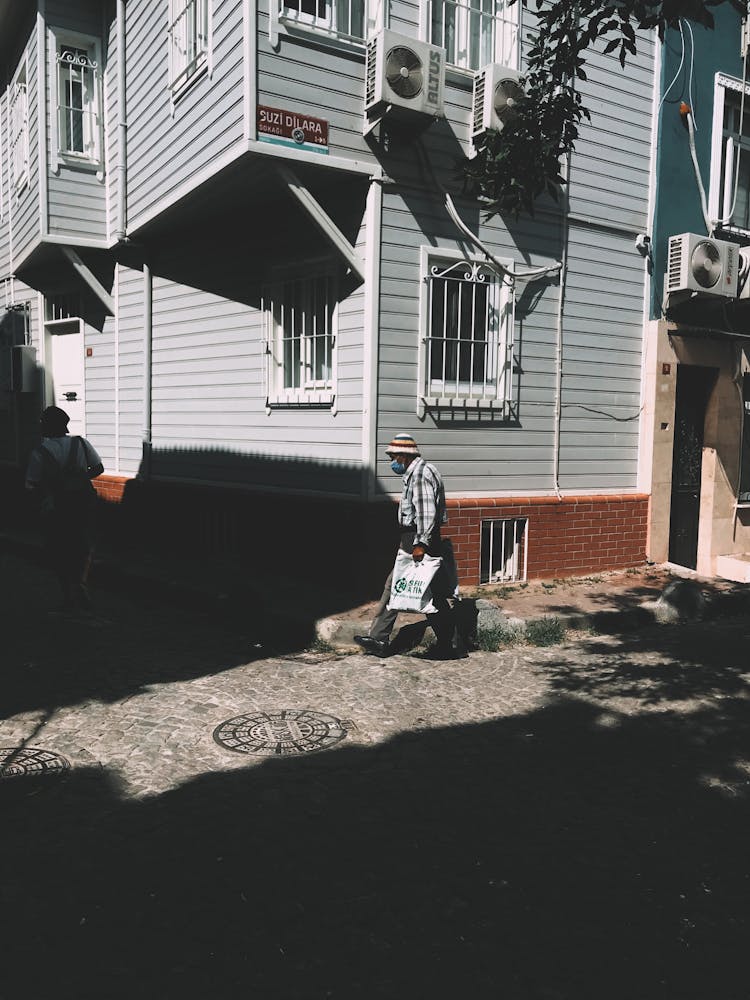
[734,567]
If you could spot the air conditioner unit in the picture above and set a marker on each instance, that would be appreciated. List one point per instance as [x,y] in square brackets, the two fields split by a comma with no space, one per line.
[18,372]
[704,265]
[403,75]
[497,90]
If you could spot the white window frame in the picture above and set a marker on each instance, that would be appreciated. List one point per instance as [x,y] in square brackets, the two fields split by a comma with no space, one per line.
[494,390]
[92,117]
[18,129]
[197,15]
[722,167]
[276,307]
[328,25]
[500,21]
[512,533]
[2,166]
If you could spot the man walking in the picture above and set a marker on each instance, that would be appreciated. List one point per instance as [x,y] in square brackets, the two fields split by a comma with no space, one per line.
[421,511]
[60,471]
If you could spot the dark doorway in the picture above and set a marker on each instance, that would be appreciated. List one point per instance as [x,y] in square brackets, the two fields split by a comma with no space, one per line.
[694,385]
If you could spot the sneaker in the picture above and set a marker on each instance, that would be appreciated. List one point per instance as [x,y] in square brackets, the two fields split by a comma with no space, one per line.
[376,647]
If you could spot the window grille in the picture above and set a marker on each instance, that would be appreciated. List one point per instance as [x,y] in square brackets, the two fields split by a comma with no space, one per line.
[476,32]
[19,131]
[301,315]
[63,306]
[735,144]
[504,550]
[77,108]
[341,18]
[188,40]
[469,333]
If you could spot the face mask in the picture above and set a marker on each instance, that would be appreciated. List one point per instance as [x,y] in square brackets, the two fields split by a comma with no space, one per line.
[398,468]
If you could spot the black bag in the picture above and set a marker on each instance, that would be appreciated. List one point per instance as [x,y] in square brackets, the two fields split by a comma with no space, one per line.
[65,484]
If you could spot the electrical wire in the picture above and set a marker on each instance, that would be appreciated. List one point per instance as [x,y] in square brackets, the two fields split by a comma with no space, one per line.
[506,272]
[697,170]
[690,74]
[679,69]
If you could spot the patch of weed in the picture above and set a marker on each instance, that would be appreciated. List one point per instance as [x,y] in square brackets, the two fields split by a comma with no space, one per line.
[497,636]
[319,645]
[545,631]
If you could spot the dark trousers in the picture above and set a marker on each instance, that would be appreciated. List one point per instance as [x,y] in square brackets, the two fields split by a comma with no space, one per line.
[67,531]
[441,621]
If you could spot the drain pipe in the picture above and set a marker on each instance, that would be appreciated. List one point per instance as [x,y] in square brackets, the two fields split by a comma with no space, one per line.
[148,336]
[559,331]
[122,128]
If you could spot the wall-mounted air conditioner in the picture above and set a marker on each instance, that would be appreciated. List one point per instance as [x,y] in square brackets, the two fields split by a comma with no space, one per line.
[403,75]
[497,90]
[18,372]
[702,264]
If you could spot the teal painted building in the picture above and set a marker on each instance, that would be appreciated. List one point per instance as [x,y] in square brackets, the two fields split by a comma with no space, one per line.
[696,382]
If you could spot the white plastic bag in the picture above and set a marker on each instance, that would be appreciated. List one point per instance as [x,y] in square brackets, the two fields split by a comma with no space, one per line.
[410,586]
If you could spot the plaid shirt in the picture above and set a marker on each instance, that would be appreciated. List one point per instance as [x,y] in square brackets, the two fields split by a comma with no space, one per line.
[422,504]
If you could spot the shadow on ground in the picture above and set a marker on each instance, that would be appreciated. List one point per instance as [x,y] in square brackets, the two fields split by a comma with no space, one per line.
[560,854]
[137,639]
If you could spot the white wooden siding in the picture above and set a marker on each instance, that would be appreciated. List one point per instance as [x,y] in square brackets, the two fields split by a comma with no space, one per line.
[167,146]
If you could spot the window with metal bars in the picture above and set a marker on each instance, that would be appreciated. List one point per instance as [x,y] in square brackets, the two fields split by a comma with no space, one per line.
[729,196]
[19,130]
[301,316]
[188,40]
[341,18]
[469,333]
[476,32]
[78,118]
[504,550]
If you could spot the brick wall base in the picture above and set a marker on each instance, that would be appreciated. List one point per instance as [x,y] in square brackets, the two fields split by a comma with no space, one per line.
[570,536]
[111,488]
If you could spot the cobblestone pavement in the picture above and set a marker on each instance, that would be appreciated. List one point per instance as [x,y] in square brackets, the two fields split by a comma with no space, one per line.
[535,824]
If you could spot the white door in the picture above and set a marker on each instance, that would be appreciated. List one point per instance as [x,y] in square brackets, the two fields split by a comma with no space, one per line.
[68,379]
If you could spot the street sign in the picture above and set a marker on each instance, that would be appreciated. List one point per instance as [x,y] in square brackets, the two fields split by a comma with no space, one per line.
[288,128]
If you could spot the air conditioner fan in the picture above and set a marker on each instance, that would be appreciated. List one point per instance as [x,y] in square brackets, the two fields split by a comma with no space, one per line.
[403,71]
[705,264]
[507,95]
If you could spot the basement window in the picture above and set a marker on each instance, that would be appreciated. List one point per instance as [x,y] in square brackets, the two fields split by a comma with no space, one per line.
[504,550]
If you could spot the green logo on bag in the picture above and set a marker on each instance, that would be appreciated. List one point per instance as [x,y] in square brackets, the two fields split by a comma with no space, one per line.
[400,585]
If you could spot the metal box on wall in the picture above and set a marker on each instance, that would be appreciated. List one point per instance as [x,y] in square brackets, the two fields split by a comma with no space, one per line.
[18,371]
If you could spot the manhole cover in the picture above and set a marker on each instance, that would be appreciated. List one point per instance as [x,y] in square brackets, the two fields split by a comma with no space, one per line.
[18,761]
[272,734]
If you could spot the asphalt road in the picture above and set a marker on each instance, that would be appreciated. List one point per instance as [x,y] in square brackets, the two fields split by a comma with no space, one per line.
[536,824]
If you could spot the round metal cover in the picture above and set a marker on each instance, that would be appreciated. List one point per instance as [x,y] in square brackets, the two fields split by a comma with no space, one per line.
[16,762]
[274,734]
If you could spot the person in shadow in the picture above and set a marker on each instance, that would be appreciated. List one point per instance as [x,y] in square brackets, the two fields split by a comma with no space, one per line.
[421,511]
[59,476]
